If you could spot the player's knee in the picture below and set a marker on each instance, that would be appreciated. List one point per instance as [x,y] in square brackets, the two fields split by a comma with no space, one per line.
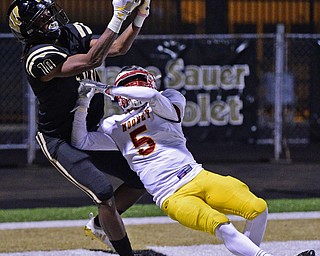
[258,206]
[217,220]
[105,193]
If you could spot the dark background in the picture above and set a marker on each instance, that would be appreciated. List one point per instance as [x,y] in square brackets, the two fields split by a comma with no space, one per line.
[200,16]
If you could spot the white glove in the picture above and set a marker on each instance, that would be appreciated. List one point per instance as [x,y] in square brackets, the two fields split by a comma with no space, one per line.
[121,10]
[143,13]
[144,8]
[85,96]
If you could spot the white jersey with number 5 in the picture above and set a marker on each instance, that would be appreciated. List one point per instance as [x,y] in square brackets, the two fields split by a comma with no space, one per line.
[154,146]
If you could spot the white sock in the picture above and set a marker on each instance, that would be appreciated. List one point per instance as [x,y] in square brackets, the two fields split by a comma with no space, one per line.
[254,229]
[238,243]
[263,253]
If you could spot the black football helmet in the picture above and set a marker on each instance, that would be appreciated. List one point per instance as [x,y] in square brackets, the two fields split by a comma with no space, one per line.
[133,76]
[36,20]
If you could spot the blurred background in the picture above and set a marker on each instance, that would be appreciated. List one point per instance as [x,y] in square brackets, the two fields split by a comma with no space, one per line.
[277,123]
[203,16]
[248,68]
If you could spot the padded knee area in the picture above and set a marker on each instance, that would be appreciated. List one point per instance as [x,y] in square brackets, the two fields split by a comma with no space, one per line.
[105,193]
[258,206]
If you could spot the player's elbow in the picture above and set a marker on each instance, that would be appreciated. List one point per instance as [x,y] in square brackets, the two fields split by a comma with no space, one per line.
[117,52]
[77,140]
[94,59]
[123,51]
[118,48]
[78,144]
[95,62]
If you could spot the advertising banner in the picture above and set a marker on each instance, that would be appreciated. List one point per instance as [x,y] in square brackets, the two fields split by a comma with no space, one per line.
[217,77]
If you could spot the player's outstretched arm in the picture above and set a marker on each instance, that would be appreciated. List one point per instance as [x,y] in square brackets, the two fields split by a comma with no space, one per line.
[166,104]
[100,47]
[80,137]
[143,13]
[124,42]
[121,10]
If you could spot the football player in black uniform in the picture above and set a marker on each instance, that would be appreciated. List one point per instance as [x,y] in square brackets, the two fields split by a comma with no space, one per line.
[57,55]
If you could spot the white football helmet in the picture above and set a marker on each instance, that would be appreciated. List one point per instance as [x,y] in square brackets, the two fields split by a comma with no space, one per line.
[133,76]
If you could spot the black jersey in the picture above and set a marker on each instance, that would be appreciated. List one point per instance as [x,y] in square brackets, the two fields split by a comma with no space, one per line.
[57,97]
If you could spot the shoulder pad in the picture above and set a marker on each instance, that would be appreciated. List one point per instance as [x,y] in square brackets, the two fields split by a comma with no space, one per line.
[174,96]
[42,59]
[79,37]
[82,29]
[176,99]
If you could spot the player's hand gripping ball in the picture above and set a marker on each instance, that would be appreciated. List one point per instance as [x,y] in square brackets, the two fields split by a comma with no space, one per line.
[144,8]
[123,8]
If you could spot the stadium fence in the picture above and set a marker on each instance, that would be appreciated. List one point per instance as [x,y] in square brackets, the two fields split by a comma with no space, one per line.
[281,106]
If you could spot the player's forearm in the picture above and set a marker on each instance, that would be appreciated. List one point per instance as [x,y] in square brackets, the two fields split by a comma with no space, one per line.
[99,51]
[134,92]
[124,42]
[160,104]
[79,128]
[106,43]
[82,139]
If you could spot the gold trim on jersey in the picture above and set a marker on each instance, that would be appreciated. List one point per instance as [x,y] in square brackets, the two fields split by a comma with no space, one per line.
[81,27]
[40,53]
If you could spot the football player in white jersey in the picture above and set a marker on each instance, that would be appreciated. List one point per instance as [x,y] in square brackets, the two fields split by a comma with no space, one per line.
[149,135]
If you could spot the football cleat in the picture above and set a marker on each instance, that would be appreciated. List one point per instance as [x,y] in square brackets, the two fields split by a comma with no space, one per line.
[307,253]
[94,232]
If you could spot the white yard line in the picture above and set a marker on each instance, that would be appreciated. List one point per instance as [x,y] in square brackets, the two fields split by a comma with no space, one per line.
[143,221]
[286,248]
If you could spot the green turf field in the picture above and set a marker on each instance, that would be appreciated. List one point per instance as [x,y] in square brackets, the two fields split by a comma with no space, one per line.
[139,210]
[154,235]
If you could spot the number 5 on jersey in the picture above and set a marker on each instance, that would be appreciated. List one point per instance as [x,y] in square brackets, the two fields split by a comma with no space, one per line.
[138,142]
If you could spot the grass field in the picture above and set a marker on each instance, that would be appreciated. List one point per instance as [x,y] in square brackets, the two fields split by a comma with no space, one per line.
[139,210]
[283,236]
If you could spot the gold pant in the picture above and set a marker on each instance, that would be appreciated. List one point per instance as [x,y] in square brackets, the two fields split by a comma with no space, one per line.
[202,204]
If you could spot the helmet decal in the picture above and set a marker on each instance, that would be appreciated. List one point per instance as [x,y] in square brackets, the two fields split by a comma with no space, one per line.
[14,20]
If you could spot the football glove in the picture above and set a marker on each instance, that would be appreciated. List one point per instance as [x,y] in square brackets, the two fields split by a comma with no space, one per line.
[144,8]
[85,94]
[123,8]
[87,84]
[143,13]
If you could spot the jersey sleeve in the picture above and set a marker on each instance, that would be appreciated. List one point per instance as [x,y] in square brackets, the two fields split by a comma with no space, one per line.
[168,104]
[177,99]
[82,139]
[81,37]
[42,60]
